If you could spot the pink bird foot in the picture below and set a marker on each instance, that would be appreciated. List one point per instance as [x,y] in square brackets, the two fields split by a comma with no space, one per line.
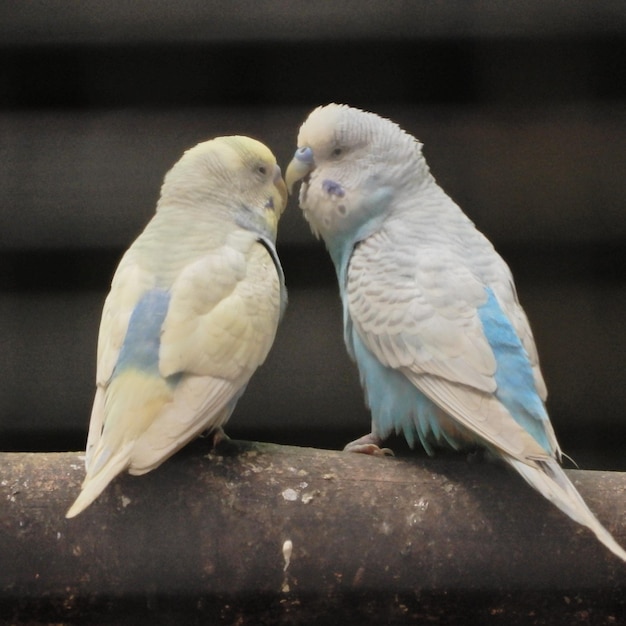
[368,444]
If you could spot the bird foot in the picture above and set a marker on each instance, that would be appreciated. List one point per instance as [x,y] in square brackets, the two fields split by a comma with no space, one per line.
[218,436]
[475,456]
[368,444]
[220,441]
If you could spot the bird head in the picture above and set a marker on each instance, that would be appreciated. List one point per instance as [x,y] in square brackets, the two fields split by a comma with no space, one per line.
[232,174]
[350,163]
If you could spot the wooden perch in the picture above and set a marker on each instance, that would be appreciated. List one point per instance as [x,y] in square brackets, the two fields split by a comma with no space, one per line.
[268,534]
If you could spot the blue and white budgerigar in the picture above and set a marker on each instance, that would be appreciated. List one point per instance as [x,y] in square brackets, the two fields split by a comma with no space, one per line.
[193,311]
[431,317]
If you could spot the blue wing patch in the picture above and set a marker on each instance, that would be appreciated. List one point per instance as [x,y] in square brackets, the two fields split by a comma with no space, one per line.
[140,349]
[514,376]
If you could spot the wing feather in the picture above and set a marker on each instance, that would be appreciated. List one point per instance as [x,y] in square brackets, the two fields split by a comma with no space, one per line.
[222,328]
[200,403]
[420,316]
[216,333]
[483,414]
[407,318]
[220,325]
[129,283]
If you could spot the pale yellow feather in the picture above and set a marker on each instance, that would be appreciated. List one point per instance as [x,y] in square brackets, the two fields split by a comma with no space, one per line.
[222,330]
[132,402]
[129,284]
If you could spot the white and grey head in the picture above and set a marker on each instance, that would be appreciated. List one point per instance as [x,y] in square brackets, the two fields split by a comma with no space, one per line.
[349,162]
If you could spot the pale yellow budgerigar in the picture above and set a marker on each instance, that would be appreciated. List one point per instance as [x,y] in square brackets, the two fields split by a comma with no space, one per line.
[193,311]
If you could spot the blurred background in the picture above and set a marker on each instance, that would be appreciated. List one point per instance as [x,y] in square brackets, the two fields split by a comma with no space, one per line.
[522,110]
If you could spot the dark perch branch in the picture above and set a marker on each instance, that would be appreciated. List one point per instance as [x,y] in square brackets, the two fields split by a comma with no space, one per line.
[201,539]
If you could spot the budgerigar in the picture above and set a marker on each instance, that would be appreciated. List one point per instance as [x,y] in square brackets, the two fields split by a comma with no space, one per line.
[192,312]
[431,317]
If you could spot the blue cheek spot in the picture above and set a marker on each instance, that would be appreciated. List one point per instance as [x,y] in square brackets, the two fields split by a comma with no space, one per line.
[333,189]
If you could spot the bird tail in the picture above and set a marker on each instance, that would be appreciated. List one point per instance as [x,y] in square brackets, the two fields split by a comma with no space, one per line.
[547,477]
[99,477]
[132,401]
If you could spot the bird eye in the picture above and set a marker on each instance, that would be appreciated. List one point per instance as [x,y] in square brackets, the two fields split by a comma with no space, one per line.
[262,169]
[337,152]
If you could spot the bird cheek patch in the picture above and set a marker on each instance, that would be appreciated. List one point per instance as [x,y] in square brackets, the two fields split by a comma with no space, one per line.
[333,189]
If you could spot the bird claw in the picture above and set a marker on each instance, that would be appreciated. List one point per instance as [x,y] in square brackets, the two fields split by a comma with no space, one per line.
[368,444]
[218,436]
[220,441]
[369,448]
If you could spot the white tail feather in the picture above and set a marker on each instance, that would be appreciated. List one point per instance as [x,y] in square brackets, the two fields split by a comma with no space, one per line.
[550,480]
[95,483]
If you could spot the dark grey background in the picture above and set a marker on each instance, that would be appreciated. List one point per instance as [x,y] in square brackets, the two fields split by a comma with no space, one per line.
[522,110]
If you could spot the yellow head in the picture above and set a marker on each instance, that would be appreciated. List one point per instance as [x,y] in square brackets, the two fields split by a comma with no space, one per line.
[228,173]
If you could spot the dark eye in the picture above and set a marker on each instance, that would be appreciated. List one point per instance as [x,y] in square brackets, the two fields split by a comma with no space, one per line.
[262,169]
[337,152]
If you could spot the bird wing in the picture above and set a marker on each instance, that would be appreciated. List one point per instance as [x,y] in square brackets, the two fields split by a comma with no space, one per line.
[130,282]
[220,325]
[221,320]
[223,312]
[419,313]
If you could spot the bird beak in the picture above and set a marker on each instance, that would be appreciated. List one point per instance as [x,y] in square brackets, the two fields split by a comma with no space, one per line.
[280,186]
[301,165]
